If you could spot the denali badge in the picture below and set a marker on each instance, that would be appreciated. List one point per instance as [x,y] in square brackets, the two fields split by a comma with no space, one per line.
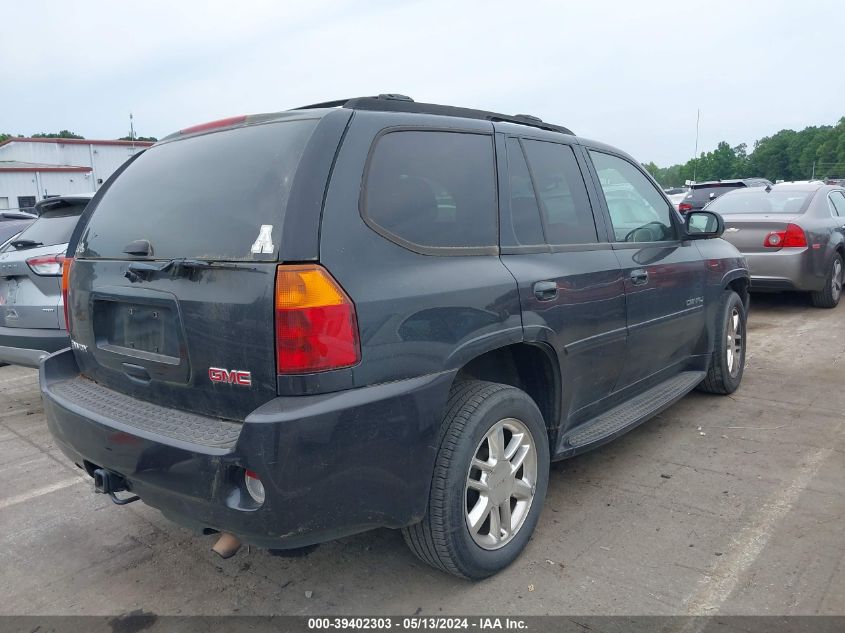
[233,377]
[79,346]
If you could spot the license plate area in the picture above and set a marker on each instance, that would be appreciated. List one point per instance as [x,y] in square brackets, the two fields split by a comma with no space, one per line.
[140,330]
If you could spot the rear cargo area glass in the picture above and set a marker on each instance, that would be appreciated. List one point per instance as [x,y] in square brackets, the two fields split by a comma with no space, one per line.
[218,196]
[54,226]
[762,201]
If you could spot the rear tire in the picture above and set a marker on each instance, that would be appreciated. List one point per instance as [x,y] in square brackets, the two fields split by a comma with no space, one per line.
[728,361]
[491,472]
[828,297]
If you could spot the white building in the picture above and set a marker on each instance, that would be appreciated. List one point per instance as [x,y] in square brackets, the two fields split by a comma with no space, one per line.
[33,168]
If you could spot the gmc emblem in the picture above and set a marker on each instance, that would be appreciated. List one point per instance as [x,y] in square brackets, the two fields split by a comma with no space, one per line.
[233,377]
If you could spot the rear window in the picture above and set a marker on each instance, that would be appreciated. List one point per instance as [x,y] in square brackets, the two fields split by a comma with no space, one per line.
[703,195]
[54,226]
[219,196]
[433,189]
[760,201]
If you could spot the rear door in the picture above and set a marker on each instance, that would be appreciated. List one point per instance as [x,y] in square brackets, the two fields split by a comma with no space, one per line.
[664,276]
[570,283]
[173,284]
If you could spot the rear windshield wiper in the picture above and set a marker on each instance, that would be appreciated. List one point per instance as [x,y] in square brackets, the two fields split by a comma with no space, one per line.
[138,270]
[200,264]
[26,243]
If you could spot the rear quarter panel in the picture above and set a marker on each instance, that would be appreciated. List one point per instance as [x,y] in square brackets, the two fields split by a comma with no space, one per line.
[417,314]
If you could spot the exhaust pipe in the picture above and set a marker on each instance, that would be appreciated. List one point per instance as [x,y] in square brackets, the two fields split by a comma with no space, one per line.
[227,545]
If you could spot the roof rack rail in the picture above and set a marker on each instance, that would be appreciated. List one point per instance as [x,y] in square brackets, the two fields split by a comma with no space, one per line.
[323,104]
[390,102]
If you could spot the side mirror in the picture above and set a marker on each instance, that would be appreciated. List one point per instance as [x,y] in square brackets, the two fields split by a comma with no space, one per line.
[703,225]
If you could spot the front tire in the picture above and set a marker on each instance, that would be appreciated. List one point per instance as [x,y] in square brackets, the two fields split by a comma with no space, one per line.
[728,361]
[828,297]
[490,478]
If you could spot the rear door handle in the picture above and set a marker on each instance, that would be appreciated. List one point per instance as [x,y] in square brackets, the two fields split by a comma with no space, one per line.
[639,277]
[545,290]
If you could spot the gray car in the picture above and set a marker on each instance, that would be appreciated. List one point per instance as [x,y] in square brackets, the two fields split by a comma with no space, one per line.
[31,306]
[792,234]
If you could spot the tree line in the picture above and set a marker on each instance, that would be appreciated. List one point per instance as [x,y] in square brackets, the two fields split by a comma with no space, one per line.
[814,152]
[68,134]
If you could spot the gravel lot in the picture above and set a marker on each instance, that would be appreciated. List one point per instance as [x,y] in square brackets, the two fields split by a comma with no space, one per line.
[720,505]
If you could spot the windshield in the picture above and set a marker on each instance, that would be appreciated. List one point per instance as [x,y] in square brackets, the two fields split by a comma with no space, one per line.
[761,201]
[54,226]
[218,196]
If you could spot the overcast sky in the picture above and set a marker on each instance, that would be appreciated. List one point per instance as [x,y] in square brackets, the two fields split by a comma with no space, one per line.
[628,73]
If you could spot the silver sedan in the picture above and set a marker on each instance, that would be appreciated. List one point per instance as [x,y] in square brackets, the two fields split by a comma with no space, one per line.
[792,234]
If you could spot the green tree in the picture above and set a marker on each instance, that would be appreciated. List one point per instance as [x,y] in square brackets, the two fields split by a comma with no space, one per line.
[786,155]
[60,134]
[152,139]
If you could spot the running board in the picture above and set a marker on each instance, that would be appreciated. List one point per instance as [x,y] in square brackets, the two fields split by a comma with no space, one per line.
[627,415]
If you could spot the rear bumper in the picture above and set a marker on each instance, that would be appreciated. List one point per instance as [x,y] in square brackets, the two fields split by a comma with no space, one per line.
[25,346]
[786,269]
[332,464]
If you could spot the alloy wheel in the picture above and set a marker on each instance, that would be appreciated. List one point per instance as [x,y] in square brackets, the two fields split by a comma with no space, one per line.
[501,484]
[836,279]
[734,342]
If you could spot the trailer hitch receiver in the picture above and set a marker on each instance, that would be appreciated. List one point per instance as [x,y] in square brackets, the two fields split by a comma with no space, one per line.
[109,483]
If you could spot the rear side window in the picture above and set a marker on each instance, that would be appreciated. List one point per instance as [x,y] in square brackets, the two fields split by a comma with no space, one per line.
[525,212]
[838,200]
[54,226]
[432,189]
[565,204]
[218,196]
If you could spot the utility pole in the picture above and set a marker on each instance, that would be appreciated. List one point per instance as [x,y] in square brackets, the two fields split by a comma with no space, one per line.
[132,131]
[695,155]
[813,177]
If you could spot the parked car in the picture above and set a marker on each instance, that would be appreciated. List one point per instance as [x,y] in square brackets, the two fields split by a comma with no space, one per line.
[793,236]
[702,193]
[32,323]
[676,195]
[297,326]
[12,223]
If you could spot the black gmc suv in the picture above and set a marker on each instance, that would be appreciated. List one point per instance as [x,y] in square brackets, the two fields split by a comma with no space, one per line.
[297,326]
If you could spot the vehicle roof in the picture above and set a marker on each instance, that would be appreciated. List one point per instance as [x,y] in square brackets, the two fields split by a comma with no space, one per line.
[71,197]
[801,186]
[717,183]
[380,103]
[16,215]
[806,187]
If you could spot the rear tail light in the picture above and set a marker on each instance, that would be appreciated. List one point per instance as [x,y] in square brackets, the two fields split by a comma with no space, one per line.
[316,327]
[46,265]
[67,265]
[684,207]
[254,486]
[792,237]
